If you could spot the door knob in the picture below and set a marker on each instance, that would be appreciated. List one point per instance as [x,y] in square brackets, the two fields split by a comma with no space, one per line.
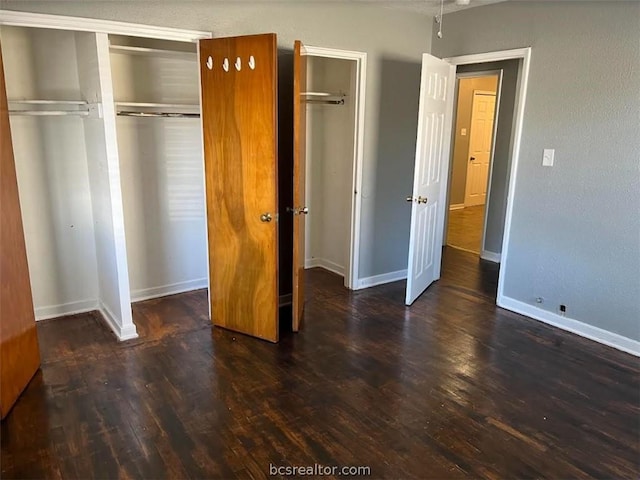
[265,217]
[472,159]
[422,199]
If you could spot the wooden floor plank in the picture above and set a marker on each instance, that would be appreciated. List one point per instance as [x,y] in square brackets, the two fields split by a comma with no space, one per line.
[452,387]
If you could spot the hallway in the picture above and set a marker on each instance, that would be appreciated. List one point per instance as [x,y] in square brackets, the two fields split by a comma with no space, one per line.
[464,230]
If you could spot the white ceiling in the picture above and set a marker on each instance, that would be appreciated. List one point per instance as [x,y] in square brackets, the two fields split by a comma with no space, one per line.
[427,7]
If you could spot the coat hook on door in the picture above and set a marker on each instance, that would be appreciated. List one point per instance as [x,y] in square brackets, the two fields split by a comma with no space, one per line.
[210,62]
[238,64]
[252,63]
[225,64]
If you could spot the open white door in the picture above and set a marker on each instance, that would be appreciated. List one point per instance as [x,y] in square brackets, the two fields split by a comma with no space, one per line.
[430,173]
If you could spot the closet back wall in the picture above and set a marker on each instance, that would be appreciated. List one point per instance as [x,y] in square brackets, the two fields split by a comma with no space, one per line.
[51,165]
[162,176]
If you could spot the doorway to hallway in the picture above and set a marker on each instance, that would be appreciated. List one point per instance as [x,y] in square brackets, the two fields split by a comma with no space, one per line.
[474,133]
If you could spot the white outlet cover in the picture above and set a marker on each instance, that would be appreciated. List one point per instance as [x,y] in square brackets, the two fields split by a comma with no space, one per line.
[463,132]
[548,157]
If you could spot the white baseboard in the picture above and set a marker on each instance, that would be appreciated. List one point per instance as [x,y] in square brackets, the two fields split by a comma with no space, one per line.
[127,332]
[491,256]
[71,308]
[164,290]
[456,206]
[579,328]
[380,279]
[326,264]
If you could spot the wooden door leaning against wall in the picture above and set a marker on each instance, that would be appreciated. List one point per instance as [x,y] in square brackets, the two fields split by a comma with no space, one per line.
[19,355]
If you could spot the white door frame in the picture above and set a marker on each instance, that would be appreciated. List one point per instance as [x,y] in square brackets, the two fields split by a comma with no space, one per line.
[516,136]
[351,271]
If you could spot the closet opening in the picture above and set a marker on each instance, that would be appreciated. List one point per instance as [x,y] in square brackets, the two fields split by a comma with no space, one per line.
[47,80]
[334,143]
[157,99]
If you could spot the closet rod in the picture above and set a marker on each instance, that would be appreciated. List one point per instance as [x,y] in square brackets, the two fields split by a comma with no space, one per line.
[158,114]
[327,102]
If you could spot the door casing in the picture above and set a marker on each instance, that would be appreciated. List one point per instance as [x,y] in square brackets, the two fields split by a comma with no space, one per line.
[523,54]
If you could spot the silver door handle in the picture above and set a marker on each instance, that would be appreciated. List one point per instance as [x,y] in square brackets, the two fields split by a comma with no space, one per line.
[266,217]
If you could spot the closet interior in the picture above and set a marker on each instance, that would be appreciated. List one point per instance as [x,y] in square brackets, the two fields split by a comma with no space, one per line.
[108,153]
[156,89]
[330,154]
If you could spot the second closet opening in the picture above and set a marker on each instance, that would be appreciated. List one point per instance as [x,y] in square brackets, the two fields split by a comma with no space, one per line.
[331,163]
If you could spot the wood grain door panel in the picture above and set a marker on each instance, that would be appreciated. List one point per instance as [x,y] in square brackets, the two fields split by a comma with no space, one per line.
[19,354]
[299,163]
[239,117]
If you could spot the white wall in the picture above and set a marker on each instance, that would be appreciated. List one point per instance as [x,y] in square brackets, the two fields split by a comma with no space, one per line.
[51,165]
[394,41]
[575,231]
[162,177]
[330,134]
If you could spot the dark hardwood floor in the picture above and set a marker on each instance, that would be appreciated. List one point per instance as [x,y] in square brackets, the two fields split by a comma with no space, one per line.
[452,387]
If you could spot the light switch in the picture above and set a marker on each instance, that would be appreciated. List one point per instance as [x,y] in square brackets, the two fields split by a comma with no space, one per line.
[547,157]
[463,132]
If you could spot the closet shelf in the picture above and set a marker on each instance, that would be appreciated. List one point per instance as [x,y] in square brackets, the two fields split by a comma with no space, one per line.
[182,106]
[34,108]
[156,52]
[49,102]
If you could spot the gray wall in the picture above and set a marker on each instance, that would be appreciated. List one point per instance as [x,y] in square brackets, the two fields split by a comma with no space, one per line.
[575,232]
[387,36]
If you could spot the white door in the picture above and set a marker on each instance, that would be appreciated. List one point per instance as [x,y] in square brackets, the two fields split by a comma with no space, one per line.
[429,181]
[480,141]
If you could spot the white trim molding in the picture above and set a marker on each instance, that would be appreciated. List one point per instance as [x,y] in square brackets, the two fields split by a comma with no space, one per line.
[381,279]
[64,309]
[163,290]
[79,24]
[127,332]
[326,264]
[574,326]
